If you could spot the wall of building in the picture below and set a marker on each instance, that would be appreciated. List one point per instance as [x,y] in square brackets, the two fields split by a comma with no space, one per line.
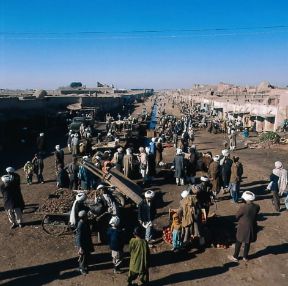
[282,110]
[57,103]
[262,110]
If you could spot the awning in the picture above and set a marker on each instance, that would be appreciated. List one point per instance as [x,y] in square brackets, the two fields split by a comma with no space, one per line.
[241,113]
[265,115]
[75,106]
[269,116]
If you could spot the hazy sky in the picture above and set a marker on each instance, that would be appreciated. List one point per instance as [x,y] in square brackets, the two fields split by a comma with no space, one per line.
[148,43]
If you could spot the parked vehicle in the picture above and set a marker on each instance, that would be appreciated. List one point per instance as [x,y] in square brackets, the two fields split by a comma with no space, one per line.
[77,121]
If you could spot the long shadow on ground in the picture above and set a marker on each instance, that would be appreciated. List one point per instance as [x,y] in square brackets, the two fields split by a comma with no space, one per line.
[192,275]
[273,249]
[43,274]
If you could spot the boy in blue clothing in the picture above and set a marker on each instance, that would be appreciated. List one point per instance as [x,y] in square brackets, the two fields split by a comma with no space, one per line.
[116,243]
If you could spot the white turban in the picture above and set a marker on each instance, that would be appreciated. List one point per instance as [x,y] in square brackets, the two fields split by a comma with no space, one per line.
[225,153]
[204,179]
[10,170]
[114,221]
[184,194]
[278,165]
[81,197]
[6,178]
[149,194]
[216,158]
[248,196]
[100,187]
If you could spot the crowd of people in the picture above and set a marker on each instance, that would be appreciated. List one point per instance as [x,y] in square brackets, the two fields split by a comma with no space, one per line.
[219,172]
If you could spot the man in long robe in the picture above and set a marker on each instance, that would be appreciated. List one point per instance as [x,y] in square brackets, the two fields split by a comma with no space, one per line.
[128,163]
[214,175]
[12,197]
[139,258]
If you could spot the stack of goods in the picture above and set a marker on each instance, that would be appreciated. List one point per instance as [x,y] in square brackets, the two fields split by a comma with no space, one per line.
[167,235]
[59,202]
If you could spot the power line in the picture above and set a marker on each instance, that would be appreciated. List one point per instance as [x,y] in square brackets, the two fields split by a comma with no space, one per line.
[195,30]
[160,34]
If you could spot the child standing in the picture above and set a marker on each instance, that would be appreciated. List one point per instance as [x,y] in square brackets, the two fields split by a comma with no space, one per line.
[176,228]
[116,243]
[28,170]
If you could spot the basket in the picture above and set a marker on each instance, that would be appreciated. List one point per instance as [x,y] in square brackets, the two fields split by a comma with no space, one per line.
[167,235]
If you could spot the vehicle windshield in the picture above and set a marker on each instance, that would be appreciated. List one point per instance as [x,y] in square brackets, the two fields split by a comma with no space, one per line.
[78,119]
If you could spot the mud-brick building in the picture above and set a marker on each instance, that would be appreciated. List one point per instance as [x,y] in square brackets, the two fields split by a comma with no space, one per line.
[264,107]
[40,110]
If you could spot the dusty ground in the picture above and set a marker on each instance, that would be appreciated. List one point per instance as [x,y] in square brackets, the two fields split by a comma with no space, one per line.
[31,257]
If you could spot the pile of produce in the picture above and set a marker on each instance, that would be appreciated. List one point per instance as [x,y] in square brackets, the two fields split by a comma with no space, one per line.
[167,235]
[59,202]
[269,137]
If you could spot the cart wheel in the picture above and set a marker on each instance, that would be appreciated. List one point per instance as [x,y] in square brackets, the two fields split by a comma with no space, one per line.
[54,226]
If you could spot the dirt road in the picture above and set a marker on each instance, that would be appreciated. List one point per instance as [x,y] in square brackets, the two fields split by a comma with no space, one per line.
[31,257]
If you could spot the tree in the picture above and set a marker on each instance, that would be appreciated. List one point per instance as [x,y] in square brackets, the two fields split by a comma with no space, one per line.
[75,84]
